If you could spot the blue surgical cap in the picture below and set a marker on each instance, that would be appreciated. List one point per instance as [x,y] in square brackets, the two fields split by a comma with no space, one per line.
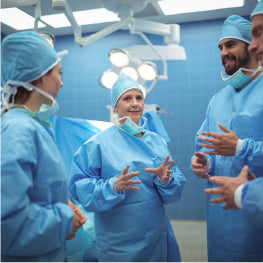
[26,56]
[236,27]
[258,9]
[123,84]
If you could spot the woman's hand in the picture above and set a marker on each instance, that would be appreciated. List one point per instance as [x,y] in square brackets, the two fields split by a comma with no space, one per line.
[123,182]
[163,171]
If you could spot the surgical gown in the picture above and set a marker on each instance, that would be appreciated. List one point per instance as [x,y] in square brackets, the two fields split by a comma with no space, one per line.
[35,217]
[252,201]
[229,236]
[131,225]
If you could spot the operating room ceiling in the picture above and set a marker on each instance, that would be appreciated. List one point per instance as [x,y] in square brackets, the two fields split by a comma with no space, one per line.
[152,12]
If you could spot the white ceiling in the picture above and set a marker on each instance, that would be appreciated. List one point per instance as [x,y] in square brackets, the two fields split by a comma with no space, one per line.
[152,12]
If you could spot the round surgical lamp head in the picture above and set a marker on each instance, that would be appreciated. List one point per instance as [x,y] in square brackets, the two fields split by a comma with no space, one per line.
[148,71]
[108,78]
[118,57]
[129,71]
[48,36]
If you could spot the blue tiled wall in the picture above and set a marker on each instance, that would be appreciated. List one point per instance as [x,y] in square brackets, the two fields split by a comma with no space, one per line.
[191,83]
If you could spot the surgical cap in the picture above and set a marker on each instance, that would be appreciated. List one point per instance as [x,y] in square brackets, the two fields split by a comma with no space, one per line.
[26,56]
[236,27]
[258,9]
[123,84]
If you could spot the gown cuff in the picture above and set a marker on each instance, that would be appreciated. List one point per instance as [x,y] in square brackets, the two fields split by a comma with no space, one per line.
[238,196]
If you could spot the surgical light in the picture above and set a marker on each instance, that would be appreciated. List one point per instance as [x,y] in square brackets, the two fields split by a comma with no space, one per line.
[129,71]
[118,57]
[148,71]
[108,78]
[49,37]
[141,71]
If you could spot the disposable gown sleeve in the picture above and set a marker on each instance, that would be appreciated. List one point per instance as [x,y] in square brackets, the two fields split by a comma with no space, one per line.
[96,194]
[172,190]
[252,200]
[27,227]
[251,153]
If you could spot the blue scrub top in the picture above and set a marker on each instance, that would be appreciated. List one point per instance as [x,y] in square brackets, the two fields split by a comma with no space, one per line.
[230,237]
[35,217]
[130,225]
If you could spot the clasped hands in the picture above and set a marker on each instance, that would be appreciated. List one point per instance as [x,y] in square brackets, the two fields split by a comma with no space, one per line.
[124,182]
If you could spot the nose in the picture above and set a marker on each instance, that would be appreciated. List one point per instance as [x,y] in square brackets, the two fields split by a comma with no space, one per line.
[61,83]
[134,102]
[224,52]
[253,46]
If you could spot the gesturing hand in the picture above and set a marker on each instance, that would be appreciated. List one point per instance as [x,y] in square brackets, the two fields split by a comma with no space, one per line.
[227,188]
[163,171]
[200,165]
[123,182]
[222,144]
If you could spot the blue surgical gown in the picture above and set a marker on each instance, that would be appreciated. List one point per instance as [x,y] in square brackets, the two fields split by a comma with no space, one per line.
[229,236]
[35,217]
[131,225]
[252,201]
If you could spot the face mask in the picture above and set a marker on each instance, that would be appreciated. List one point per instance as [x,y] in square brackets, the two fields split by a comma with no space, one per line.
[45,111]
[239,79]
[131,127]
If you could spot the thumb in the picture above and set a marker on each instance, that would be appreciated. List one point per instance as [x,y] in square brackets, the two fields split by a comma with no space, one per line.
[244,173]
[224,128]
[149,170]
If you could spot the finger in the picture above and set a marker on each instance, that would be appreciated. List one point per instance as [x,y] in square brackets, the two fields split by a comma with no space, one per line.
[210,134]
[219,180]
[200,155]
[247,174]
[132,188]
[214,191]
[169,172]
[171,164]
[217,200]
[130,182]
[206,145]
[150,170]
[206,139]
[165,162]
[125,170]
[203,175]
[224,128]
[197,166]
[215,135]
[128,176]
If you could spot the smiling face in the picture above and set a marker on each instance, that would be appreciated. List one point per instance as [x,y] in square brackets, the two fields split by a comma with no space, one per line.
[234,55]
[130,104]
[256,46]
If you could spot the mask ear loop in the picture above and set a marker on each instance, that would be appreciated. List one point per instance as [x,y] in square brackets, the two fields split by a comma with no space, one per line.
[8,92]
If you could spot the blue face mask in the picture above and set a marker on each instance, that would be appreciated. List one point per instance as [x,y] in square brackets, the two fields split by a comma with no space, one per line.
[239,79]
[46,111]
[131,127]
